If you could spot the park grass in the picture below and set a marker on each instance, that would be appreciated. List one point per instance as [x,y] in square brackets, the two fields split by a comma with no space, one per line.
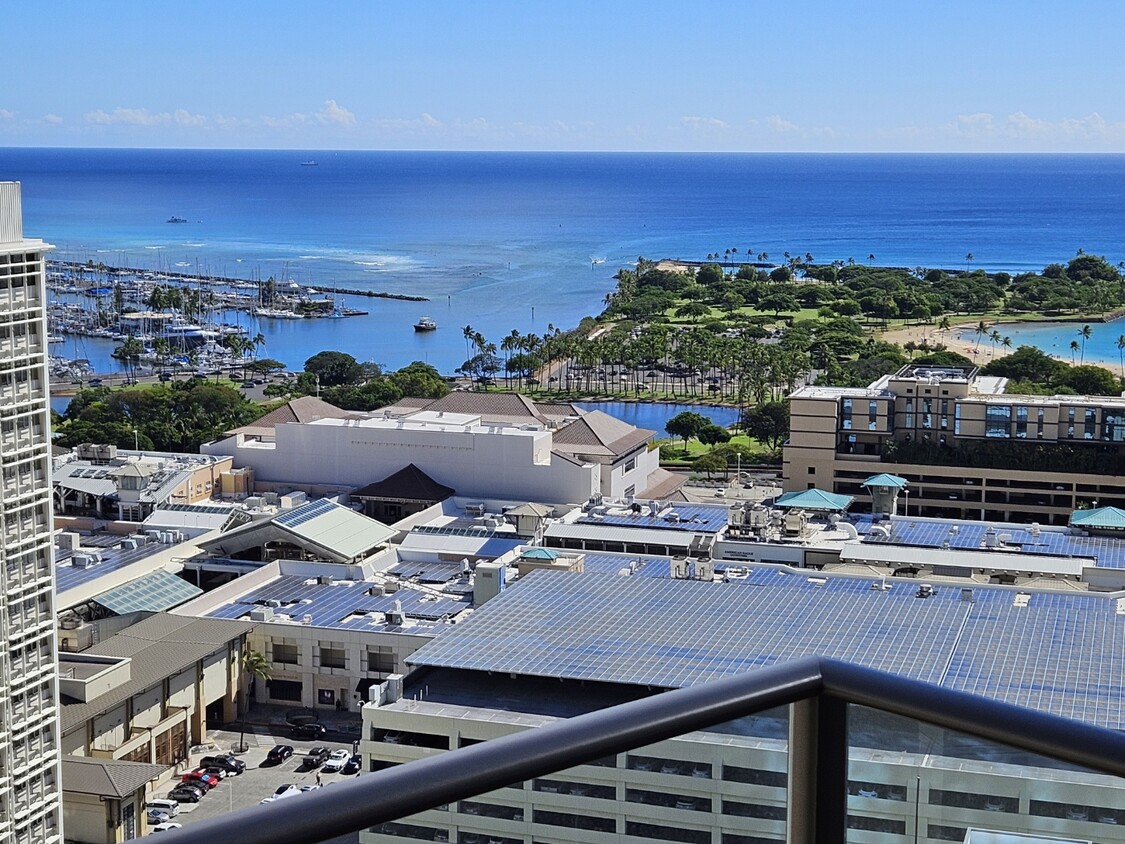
[673,453]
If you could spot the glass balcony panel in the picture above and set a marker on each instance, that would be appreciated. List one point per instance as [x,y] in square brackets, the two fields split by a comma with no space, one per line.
[909,781]
[724,785]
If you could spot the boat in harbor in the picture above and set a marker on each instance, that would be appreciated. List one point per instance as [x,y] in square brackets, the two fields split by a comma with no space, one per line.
[175,219]
[425,324]
[308,164]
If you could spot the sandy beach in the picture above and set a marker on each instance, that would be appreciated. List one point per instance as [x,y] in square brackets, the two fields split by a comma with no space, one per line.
[962,339]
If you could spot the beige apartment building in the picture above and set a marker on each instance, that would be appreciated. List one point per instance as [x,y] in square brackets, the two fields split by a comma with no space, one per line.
[968,448]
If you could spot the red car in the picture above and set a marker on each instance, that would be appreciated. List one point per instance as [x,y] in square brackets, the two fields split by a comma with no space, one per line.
[200,778]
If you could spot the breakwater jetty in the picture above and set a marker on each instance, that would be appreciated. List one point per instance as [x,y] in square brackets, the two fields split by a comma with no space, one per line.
[98,275]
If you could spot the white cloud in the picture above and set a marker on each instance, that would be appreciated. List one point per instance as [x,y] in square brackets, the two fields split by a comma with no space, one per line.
[697,122]
[53,119]
[780,124]
[334,113]
[5,114]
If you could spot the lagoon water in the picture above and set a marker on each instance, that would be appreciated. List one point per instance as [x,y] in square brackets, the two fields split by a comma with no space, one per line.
[503,241]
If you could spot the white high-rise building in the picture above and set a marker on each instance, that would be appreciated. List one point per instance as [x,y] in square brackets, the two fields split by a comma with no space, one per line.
[30,780]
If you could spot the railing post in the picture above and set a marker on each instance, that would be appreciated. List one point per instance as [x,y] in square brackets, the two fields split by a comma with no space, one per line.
[818,771]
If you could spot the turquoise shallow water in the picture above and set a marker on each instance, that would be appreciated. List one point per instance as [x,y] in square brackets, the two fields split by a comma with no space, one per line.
[503,241]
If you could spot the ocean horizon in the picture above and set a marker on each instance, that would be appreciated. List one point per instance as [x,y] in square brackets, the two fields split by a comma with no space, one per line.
[523,241]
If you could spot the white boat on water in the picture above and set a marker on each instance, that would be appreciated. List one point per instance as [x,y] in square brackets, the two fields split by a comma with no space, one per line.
[425,324]
[276,313]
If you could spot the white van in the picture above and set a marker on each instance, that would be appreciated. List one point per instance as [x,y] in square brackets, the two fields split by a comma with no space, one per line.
[163,805]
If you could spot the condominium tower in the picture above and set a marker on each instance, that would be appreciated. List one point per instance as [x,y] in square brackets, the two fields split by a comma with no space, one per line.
[30,787]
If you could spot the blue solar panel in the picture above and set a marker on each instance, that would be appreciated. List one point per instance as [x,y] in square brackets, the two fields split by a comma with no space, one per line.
[305,513]
[347,604]
[699,518]
[68,576]
[1062,653]
[1106,551]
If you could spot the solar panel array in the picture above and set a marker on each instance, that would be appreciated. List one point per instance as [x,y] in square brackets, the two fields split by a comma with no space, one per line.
[706,518]
[346,604]
[453,530]
[1108,551]
[68,576]
[94,474]
[1063,652]
[305,513]
[155,592]
[427,572]
[638,566]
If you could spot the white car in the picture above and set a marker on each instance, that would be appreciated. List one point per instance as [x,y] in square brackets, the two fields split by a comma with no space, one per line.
[167,825]
[337,759]
[288,789]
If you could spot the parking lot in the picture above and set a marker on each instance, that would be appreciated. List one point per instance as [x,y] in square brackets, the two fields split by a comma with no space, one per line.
[260,779]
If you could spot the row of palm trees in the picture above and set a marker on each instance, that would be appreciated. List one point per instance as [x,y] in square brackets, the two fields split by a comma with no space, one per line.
[994,337]
[656,360]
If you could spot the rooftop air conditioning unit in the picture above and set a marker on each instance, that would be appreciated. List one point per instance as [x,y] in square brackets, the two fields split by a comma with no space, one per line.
[326,580]
[475,509]
[261,614]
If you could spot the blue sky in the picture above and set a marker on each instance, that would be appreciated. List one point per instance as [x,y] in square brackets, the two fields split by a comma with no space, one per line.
[693,75]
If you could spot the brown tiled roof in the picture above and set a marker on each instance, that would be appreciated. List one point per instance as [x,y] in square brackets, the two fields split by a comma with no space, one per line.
[498,406]
[107,777]
[598,433]
[663,484]
[410,484]
[303,409]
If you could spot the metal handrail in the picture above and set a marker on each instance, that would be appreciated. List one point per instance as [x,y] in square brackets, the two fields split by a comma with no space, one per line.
[423,784]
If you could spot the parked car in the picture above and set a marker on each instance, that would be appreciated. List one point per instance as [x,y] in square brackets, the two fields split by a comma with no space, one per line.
[166,376]
[279,753]
[95,382]
[164,827]
[200,779]
[286,790]
[354,765]
[185,793]
[230,764]
[214,771]
[313,730]
[336,761]
[316,757]
[158,816]
[159,804]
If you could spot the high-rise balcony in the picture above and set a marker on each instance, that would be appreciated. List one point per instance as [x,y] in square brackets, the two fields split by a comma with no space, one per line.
[812,750]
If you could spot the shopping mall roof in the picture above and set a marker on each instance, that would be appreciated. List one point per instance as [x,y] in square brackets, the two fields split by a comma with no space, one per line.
[1062,653]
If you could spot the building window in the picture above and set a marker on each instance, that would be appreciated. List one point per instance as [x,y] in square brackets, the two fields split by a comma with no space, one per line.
[965,800]
[576,821]
[910,413]
[1091,429]
[846,414]
[285,654]
[579,789]
[754,776]
[326,697]
[491,810]
[940,832]
[630,465]
[873,415]
[876,824]
[333,657]
[753,810]
[667,833]
[669,800]
[1113,427]
[1039,423]
[812,470]
[284,689]
[409,830]
[998,420]
[957,418]
[1021,422]
[381,661]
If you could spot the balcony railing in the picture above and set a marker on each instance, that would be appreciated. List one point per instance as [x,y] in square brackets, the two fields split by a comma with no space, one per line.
[818,690]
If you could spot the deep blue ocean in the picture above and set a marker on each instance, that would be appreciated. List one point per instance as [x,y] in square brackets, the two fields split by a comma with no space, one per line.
[503,241]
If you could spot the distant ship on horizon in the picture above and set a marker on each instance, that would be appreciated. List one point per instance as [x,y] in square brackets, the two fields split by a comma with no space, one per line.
[175,219]
[309,163]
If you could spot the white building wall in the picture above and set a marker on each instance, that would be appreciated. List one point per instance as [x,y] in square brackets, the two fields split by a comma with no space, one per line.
[313,675]
[30,789]
[496,462]
[618,479]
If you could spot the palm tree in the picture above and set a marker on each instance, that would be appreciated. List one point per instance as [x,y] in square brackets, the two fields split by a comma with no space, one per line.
[467,332]
[968,260]
[1085,333]
[1073,350]
[256,667]
[982,330]
[994,338]
[871,259]
[1121,352]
